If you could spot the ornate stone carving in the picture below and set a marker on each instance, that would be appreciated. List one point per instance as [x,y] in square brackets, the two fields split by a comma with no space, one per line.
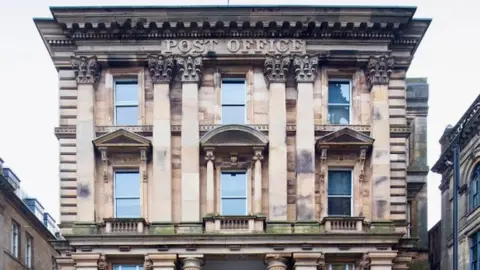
[364,263]
[378,70]
[276,262]
[103,152]
[361,161]
[257,154]
[276,68]
[321,262]
[209,155]
[323,163]
[191,263]
[102,263]
[189,68]
[143,159]
[147,264]
[87,69]
[305,68]
[160,68]
[233,158]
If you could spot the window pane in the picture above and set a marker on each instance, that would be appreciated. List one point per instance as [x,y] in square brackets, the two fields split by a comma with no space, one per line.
[126,92]
[127,184]
[127,267]
[126,115]
[127,208]
[338,115]
[233,115]
[338,206]
[339,183]
[233,92]
[234,207]
[234,185]
[338,267]
[339,92]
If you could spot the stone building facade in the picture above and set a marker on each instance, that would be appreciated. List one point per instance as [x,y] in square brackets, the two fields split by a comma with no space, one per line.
[194,137]
[467,133]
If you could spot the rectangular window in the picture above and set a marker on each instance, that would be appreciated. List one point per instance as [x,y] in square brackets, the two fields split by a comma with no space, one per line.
[28,251]
[15,239]
[234,193]
[339,102]
[233,101]
[127,194]
[126,102]
[341,266]
[127,267]
[475,251]
[339,192]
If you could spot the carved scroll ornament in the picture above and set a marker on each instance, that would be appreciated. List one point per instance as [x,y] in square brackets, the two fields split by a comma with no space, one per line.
[160,68]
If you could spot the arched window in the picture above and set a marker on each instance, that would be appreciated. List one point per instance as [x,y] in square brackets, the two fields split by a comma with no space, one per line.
[475,187]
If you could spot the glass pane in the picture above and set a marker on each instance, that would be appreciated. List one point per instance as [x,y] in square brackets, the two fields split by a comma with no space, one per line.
[338,267]
[234,185]
[127,267]
[339,183]
[339,115]
[126,92]
[338,206]
[233,115]
[127,184]
[233,92]
[126,116]
[234,207]
[339,92]
[127,208]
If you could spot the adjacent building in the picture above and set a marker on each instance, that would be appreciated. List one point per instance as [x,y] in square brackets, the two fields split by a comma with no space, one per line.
[260,137]
[435,246]
[466,134]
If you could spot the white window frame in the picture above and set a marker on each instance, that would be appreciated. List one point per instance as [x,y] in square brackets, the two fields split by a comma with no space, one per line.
[15,239]
[124,104]
[234,105]
[234,197]
[120,266]
[348,266]
[341,104]
[352,212]
[28,250]
[115,195]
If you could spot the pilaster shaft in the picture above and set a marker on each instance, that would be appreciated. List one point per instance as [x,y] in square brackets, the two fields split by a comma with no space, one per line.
[305,68]
[160,187]
[210,188]
[257,181]
[87,72]
[276,70]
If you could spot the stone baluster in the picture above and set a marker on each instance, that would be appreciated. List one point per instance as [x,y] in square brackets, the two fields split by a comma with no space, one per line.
[276,69]
[160,187]
[189,72]
[87,72]
[305,68]
[159,262]
[210,188]
[257,182]
[378,72]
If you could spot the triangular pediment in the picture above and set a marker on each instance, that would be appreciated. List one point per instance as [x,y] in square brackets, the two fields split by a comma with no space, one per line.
[234,135]
[121,138]
[345,136]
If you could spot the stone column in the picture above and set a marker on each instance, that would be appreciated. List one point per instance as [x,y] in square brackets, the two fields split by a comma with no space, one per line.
[193,262]
[381,260]
[305,68]
[378,72]
[257,181]
[159,262]
[161,69]
[86,261]
[309,261]
[275,262]
[276,70]
[189,71]
[210,188]
[87,72]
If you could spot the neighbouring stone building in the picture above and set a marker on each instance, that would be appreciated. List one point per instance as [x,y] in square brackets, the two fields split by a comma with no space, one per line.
[24,238]
[194,137]
[435,246]
[467,133]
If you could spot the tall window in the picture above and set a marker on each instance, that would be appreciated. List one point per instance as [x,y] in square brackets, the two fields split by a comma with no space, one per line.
[475,251]
[341,266]
[475,187]
[339,102]
[127,267]
[127,194]
[339,192]
[234,193]
[233,101]
[15,239]
[126,102]
[28,251]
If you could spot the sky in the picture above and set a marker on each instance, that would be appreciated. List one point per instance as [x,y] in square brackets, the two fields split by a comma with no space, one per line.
[29,82]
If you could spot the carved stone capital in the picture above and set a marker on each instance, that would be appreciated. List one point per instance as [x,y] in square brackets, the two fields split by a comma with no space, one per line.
[102,263]
[275,262]
[305,68]
[147,264]
[257,154]
[209,154]
[86,69]
[160,68]
[321,262]
[192,263]
[189,68]
[378,70]
[364,262]
[276,68]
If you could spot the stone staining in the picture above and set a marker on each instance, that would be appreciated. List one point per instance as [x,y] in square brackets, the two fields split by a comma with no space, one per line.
[160,68]
[378,70]
[87,69]
[305,68]
[189,68]
[276,68]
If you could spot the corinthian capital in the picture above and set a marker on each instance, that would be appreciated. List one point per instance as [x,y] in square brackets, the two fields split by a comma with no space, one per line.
[379,69]
[305,68]
[87,69]
[189,68]
[160,68]
[276,68]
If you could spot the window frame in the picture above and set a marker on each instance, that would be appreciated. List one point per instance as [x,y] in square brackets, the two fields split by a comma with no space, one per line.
[474,242]
[125,170]
[352,212]
[347,266]
[28,250]
[474,192]
[340,80]
[120,266]
[15,239]
[245,172]
[127,104]
[231,81]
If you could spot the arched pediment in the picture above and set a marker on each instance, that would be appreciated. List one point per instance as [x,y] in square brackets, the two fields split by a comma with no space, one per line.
[233,136]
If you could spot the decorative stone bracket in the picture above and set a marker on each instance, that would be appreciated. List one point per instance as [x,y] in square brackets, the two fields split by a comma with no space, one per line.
[104,156]
[361,161]
[323,163]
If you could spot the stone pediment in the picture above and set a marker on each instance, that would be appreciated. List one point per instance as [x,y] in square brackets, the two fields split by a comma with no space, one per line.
[121,138]
[234,136]
[345,137]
